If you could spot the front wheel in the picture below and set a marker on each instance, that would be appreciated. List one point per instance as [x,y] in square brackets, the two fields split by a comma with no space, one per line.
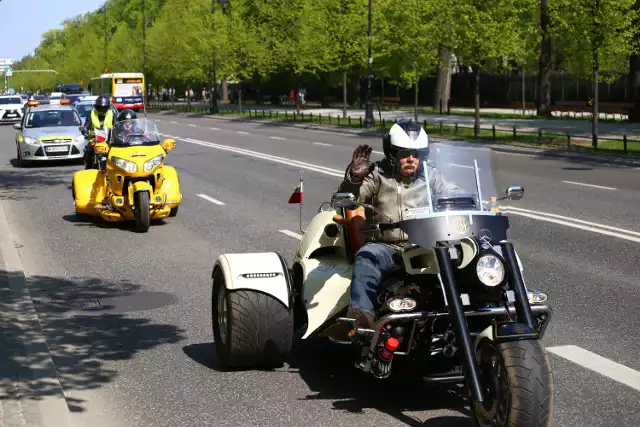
[518,385]
[142,214]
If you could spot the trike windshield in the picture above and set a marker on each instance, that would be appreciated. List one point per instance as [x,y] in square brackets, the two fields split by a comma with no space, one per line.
[137,132]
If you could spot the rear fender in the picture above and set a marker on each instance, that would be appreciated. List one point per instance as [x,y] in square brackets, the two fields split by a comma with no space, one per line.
[265,272]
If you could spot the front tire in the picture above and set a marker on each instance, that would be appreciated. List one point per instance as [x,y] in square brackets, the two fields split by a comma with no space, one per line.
[251,329]
[518,384]
[142,214]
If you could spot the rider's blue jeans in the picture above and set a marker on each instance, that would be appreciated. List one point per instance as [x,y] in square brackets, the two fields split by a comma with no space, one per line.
[371,262]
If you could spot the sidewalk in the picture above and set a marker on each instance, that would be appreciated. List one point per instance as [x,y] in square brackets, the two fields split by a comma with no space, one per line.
[30,393]
[575,127]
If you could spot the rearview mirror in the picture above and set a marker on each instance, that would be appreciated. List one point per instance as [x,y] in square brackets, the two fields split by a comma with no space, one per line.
[343,200]
[17,126]
[169,144]
[515,192]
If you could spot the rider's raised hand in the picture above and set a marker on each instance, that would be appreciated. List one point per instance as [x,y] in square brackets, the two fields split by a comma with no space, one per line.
[360,165]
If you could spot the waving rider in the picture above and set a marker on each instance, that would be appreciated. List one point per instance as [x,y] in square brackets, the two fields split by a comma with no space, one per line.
[391,185]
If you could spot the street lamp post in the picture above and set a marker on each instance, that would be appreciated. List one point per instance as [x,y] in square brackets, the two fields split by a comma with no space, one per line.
[213,91]
[104,10]
[144,51]
[368,114]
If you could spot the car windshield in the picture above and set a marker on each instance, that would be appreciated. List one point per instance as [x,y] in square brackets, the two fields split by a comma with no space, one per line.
[136,132]
[52,118]
[6,101]
[84,109]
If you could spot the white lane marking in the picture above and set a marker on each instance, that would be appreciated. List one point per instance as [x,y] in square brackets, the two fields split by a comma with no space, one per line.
[291,234]
[289,162]
[599,364]
[192,125]
[322,143]
[581,227]
[243,133]
[278,137]
[515,154]
[214,128]
[589,185]
[580,221]
[377,152]
[175,123]
[211,199]
[461,166]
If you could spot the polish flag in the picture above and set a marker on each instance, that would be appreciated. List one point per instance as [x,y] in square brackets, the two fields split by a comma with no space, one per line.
[297,195]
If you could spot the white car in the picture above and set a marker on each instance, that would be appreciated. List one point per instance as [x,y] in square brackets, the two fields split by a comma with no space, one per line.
[11,108]
[55,97]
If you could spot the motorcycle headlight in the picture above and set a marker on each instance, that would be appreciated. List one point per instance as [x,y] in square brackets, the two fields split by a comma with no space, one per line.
[490,270]
[150,165]
[125,165]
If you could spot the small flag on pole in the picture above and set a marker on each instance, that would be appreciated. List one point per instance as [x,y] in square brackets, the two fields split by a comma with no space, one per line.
[297,196]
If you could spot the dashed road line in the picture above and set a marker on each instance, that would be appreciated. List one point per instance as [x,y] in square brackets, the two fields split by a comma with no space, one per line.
[323,144]
[278,137]
[291,234]
[590,185]
[211,199]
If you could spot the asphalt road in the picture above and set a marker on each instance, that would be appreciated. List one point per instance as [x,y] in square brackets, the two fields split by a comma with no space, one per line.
[127,315]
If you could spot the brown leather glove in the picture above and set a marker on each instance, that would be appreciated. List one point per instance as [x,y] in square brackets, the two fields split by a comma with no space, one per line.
[360,165]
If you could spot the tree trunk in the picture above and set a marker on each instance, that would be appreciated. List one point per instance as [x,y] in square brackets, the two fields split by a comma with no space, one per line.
[415,100]
[344,95]
[443,80]
[476,125]
[544,65]
[595,100]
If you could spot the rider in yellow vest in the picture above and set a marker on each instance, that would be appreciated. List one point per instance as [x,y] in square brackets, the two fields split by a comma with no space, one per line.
[101,117]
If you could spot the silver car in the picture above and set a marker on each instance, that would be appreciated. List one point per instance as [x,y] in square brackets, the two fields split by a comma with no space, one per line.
[49,132]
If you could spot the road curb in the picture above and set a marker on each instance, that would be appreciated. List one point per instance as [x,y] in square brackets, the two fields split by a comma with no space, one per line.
[52,409]
[539,152]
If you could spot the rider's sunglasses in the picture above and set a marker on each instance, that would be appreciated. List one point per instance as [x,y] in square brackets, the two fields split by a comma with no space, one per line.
[406,153]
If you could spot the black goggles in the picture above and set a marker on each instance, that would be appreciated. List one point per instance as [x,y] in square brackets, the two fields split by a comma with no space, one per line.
[403,153]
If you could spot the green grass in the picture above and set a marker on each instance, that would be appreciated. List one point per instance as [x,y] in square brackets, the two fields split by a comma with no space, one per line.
[546,140]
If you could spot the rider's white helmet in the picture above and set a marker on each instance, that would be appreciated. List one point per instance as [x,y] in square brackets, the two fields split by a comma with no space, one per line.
[405,135]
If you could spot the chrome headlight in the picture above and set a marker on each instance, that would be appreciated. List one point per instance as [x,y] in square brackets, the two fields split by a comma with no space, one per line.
[490,270]
[150,165]
[125,165]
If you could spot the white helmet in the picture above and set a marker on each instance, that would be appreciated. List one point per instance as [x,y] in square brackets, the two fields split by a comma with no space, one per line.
[405,135]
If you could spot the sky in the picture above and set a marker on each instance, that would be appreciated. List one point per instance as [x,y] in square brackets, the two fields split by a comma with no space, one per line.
[24,22]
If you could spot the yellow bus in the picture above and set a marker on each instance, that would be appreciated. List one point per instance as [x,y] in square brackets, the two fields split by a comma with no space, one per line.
[125,89]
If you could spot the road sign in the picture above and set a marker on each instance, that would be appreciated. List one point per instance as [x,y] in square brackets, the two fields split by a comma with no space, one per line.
[4,62]
[9,72]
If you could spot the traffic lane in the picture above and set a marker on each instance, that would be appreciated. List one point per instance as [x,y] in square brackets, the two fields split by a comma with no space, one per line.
[272,129]
[335,157]
[579,171]
[542,194]
[175,337]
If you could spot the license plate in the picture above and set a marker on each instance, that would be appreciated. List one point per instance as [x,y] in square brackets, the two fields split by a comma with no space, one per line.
[12,115]
[57,149]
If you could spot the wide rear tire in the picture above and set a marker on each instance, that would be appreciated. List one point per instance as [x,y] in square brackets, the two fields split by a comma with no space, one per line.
[142,214]
[525,390]
[251,329]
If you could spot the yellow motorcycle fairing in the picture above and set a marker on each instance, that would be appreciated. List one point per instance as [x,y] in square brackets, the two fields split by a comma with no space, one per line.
[110,193]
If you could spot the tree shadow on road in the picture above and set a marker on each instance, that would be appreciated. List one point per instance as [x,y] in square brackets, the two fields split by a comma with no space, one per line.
[328,371]
[86,326]
[18,183]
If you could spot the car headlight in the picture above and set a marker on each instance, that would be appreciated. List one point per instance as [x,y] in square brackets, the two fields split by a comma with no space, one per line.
[125,165]
[28,140]
[150,165]
[490,270]
[78,138]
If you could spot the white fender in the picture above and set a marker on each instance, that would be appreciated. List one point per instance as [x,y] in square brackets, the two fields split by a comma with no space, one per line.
[265,272]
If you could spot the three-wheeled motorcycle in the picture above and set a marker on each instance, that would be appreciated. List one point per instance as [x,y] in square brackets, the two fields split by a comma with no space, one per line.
[457,308]
[132,182]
